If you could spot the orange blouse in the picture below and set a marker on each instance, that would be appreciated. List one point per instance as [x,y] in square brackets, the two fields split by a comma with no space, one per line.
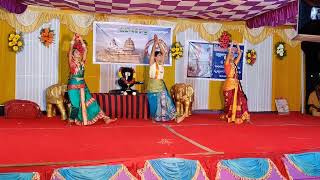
[231,81]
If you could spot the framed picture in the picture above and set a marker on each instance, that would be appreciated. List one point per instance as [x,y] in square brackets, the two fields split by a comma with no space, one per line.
[200,60]
[206,60]
[122,43]
[282,105]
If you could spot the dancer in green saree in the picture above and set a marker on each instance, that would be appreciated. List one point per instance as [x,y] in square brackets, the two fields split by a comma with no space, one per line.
[84,108]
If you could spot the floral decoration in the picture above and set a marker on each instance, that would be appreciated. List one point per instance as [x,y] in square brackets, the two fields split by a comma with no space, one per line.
[225,39]
[176,50]
[251,56]
[15,42]
[280,50]
[46,36]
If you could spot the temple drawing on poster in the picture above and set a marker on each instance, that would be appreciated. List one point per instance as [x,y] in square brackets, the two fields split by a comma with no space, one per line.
[115,53]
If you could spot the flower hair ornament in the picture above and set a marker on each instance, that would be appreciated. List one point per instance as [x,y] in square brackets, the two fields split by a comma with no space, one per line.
[225,39]
[79,46]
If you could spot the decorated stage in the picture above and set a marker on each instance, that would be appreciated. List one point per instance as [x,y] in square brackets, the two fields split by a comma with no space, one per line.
[45,144]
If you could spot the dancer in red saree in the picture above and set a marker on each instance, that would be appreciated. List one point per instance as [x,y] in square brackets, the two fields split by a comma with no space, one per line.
[235,101]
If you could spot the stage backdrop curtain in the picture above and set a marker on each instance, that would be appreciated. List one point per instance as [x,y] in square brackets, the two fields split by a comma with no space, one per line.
[308,163]
[286,76]
[201,86]
[257,78]
[7,65]
[37,66]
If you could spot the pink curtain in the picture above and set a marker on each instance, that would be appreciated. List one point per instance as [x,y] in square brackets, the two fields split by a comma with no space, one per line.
[13,6]
[281,16]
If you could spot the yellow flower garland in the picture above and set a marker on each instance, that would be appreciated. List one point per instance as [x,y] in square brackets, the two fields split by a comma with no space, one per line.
[15,42]
[176,50]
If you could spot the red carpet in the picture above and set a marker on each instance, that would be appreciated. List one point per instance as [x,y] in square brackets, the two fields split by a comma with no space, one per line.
[99,142]
[265,135]
[44,141]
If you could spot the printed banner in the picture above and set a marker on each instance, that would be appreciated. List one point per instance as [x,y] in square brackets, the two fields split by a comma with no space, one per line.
[206,60]
[116,43]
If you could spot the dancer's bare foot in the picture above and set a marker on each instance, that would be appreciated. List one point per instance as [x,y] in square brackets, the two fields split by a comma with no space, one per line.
[107,120]
[249,122]
[222,117]
[181,118]
[70,123]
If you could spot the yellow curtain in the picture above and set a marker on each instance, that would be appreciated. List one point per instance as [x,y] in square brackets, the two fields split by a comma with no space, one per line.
[7,65]
[286,76]
[64,45]
[142,74]
[92,72]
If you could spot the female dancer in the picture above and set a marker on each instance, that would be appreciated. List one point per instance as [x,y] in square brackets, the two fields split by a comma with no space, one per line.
[84,108]
[235,101]
[160,103]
